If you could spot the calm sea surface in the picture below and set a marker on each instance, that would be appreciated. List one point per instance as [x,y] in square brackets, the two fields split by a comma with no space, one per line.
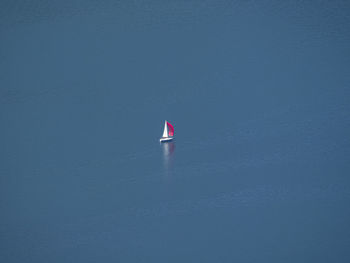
[258,92]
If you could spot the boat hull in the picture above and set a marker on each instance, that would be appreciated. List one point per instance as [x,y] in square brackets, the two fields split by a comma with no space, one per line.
[165,139]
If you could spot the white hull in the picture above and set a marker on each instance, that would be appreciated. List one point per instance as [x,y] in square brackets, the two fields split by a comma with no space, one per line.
[165,139]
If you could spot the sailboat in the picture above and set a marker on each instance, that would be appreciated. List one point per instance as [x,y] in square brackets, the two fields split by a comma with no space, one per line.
[168,133]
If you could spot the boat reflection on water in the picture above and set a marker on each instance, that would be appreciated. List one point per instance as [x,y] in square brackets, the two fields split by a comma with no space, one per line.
[168,149]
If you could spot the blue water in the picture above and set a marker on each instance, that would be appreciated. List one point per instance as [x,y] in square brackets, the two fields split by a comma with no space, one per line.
[258,92]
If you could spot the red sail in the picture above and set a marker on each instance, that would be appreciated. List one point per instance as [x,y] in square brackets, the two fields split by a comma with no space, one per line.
[171,129]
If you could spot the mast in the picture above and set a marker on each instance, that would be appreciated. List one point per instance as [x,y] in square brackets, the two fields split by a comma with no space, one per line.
[165,133]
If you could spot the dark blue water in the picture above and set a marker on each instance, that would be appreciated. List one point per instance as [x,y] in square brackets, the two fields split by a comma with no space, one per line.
[258,92]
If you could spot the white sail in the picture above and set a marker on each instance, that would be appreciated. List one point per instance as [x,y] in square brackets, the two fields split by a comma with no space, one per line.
[165,133]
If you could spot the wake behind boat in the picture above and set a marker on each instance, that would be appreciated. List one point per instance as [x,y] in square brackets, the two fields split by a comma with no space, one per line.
[168,133]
